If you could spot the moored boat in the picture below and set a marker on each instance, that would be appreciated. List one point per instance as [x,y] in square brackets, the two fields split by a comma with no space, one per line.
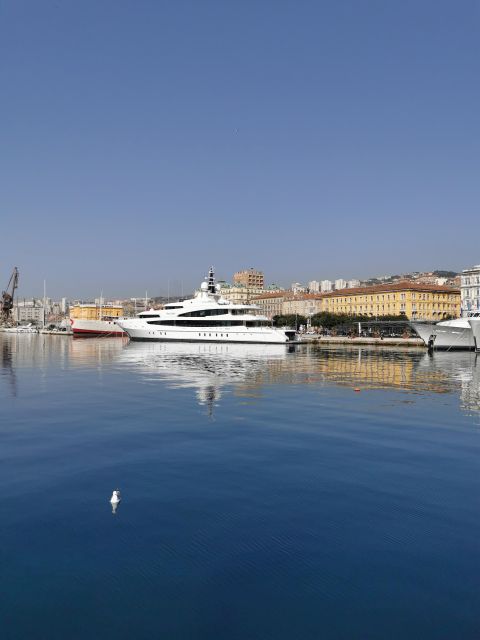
[207,317]
[93,320]
[449,334]
[474,323]
[22,328]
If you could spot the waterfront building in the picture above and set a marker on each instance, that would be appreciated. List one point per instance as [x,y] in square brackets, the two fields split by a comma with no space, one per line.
[470,289]
[340,284]
[271,303]
[326,286]
[409,299]
[240,294]
[314,286]
[307,304]
[250,278]
[29,311]
[413,300]
[95,311]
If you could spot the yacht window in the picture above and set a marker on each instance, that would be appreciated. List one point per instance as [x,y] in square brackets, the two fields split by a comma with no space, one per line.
[203,313]
[197,323]
[148,315]
[257,323]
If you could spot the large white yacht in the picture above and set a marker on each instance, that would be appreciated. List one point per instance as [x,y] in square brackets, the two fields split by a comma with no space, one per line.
[207,317]
[449,334]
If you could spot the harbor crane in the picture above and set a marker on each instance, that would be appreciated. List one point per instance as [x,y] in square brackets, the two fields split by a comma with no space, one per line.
[6,302]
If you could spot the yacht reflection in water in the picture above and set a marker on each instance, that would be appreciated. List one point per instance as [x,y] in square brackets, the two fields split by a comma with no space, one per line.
[208,367]
[462,372]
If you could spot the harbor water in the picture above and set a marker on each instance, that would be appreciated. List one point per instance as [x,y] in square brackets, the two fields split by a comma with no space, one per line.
[268,492]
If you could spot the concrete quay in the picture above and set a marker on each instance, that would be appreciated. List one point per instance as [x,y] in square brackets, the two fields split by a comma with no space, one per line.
[381,342]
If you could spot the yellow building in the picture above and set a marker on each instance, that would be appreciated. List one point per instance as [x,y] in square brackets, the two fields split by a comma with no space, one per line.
[93,311]
[409,299]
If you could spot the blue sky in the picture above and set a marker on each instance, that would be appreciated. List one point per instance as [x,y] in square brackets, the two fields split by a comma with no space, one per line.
[142,141]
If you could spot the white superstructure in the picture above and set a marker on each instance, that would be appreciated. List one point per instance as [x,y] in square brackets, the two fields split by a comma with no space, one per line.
[207,317]
[449,334]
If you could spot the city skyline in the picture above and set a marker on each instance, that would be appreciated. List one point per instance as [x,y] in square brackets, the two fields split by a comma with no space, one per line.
[142,143]
[171,292]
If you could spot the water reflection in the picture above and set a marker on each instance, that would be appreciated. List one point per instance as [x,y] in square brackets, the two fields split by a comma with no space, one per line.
[462,372]
[245,370]
[207,368]
[7,370]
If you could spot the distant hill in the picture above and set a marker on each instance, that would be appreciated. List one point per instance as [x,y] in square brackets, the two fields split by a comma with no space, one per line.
[445,274]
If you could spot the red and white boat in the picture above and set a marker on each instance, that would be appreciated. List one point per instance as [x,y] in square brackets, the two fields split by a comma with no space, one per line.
[91,320]
[92,328]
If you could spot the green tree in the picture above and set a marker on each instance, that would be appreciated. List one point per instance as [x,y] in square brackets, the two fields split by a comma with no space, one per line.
[289,320]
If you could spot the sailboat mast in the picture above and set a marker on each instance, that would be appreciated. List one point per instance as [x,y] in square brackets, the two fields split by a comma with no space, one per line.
[44,300]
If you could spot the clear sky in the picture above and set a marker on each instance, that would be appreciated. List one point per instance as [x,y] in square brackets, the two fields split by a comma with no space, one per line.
[142,141]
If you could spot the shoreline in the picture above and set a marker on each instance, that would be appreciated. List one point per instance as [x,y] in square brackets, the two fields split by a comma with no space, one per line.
[397,342]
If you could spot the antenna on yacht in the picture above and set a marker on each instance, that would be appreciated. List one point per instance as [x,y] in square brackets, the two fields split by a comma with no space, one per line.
[211,281]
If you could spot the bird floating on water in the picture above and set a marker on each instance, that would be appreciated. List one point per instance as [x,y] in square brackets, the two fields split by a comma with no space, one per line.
[115,500]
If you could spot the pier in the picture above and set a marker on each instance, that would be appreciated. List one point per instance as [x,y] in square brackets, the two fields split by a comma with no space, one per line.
[359,340]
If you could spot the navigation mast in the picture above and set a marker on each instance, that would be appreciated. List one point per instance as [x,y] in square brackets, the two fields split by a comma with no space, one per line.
[211,281]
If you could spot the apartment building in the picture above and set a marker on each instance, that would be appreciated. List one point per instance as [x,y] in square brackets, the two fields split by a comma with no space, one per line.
[250,278]
[470,289]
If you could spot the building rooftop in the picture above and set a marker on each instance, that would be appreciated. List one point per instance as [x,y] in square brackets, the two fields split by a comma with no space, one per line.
[393,287]
[273,294]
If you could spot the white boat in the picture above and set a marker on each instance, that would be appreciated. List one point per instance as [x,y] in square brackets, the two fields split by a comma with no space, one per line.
[474,322]
[449,334]
[25,328]
[207,317]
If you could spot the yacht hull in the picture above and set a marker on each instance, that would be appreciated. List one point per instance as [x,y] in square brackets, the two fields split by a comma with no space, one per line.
[95,328]
[475,325]
[445,337]
[261,335]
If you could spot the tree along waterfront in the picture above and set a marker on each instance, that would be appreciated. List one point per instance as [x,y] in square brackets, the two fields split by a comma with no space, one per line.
[344,324]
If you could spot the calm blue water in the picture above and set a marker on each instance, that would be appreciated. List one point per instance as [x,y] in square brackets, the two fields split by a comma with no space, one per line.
[262,496]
